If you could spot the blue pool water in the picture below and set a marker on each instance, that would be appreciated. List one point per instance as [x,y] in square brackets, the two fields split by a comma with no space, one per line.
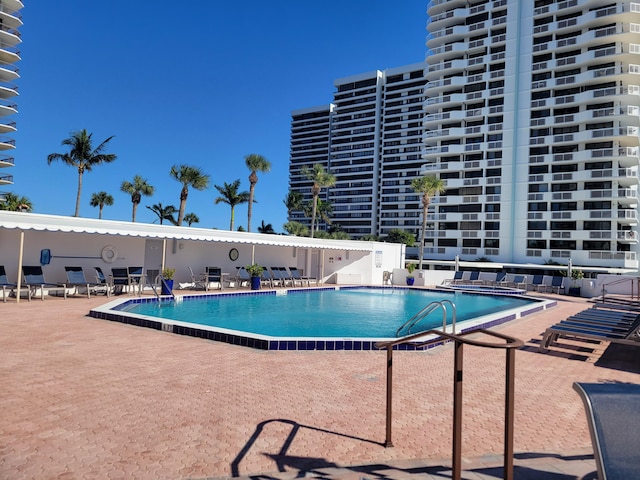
[344,313]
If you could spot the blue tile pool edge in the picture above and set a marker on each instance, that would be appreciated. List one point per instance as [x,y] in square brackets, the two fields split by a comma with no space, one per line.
[113,311]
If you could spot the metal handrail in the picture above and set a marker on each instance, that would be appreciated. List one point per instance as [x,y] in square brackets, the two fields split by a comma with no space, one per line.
[510,345]
[622,280]
[426,311]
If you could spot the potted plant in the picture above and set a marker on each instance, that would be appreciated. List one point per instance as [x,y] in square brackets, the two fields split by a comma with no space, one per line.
[255,271]
[410,278]
[574,289]
[167,280]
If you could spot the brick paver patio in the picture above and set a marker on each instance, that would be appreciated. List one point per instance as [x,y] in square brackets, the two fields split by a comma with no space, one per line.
[83,398]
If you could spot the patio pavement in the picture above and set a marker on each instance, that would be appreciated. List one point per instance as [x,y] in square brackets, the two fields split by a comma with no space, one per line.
[83,398]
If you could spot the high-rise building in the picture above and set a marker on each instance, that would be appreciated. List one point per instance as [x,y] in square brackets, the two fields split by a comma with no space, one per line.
[369,137]
[531,115]
[10,22]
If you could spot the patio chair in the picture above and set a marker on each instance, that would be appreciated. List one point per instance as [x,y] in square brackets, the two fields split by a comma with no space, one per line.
[198,281]
[137,278]
[213,275]
[34,280]
[119,280]
[557,283]
[76,279]
[614,425]
[5,284]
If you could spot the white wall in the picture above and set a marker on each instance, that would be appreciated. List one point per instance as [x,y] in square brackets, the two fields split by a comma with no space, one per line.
[85,250]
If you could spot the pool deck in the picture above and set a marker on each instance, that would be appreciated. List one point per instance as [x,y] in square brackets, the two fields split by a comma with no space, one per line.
[83,398]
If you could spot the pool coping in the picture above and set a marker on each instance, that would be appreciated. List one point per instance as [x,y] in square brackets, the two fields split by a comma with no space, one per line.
[110,311]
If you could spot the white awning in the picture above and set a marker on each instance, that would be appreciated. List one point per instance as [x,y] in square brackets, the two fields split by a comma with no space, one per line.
[54,223]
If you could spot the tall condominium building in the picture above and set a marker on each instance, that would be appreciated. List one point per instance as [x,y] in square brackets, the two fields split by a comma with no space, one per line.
[10,22]
[530,113]
[370,139]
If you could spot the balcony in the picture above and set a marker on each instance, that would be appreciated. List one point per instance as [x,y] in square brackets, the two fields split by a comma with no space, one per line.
[6,179]
[627,236]
[628,216]
[6,161]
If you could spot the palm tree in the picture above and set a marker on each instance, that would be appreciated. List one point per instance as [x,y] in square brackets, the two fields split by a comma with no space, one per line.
[293,201]
[189,177]
[101,199]
[230,196]
[136,189]
[428,186]
[164,213]
[296,228]
[255,163]
[320,179]
[14,203]
[323,211]
[268,228]
[82,156]
[191,218]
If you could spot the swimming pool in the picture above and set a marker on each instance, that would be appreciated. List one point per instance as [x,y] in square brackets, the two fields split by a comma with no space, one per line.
[312,318]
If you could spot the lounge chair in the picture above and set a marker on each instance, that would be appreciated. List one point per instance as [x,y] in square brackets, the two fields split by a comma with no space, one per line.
[593,329]
[457,278]
[5,284]
[276,278]
[34,280]
[557,284]
[298,276]
[537,283]
[76,279]
[518,281]
[243,277]
[501,279]
[283,276]
[266,278]
[474,278]
[614,425]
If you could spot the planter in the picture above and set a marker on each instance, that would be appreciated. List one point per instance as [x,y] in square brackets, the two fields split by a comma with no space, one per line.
[574,291]
[255,283]
[410,280]
[167,287]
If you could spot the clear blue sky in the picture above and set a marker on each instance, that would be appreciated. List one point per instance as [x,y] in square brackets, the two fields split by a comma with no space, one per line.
[202,83]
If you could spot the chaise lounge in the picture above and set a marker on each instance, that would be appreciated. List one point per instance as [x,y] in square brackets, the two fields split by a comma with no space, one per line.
[34,280]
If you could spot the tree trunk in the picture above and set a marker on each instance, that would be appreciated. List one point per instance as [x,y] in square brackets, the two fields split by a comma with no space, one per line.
[133,213]
[77,214]
[250,206]
[313,213]
[232,215]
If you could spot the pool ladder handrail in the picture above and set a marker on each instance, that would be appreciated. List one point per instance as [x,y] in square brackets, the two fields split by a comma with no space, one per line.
[163,281]
[409,324]
[509,344]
